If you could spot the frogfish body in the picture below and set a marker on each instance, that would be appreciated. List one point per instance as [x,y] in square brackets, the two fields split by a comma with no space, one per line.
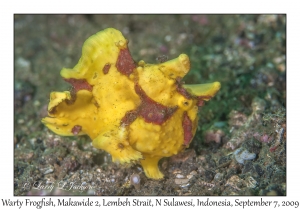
[137,112]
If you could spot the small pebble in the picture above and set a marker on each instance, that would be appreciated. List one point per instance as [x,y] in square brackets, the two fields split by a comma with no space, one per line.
[179,176]
[176,171]
[233,182]
[185,185]
[47,170]
[91,192]
[251,182]
[189,176]
[218,177]
[242,155]
[181,181]
[135,180]
[193,173]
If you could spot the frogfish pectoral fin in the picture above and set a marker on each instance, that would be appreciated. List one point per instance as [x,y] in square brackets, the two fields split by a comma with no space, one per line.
[116,143]
[150,166]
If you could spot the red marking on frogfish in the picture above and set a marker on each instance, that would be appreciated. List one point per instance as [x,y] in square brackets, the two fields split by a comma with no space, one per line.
[125,63]
[187,129]
[73,97]
[200,103]
[129,117]
[106,68]
[183,92]
[181,89]
[76,129]
[152,111]
[79,84]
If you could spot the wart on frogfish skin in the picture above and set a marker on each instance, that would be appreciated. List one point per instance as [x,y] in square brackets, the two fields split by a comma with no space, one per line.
[76,129]
[119,108]
[106,68]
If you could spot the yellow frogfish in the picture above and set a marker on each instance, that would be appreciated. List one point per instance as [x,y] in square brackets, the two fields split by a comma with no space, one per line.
[137,112]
